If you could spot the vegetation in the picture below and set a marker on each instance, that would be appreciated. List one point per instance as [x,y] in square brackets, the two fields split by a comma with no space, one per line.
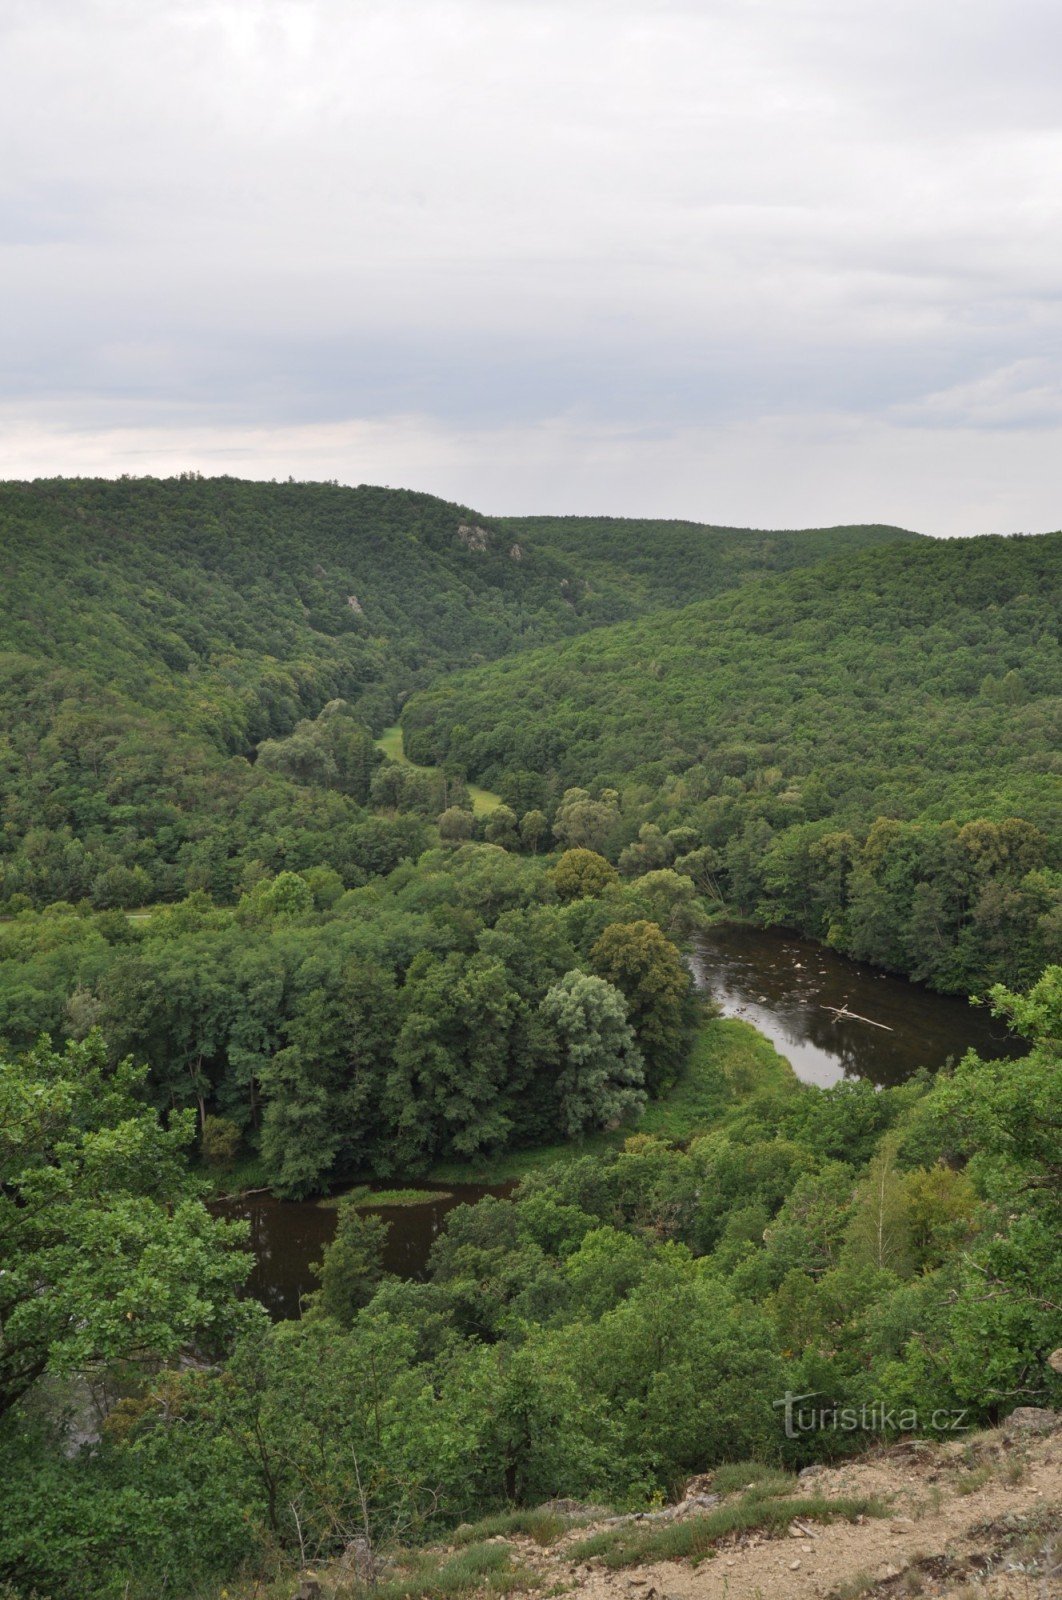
[630,1318]
[696,1537]
[452,1009]
[247,915]
[168,647]
[861,750]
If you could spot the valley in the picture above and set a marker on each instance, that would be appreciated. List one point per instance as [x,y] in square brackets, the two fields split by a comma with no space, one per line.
[485,1012]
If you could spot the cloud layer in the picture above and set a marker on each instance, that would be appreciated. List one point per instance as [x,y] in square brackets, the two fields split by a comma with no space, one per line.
[756,261]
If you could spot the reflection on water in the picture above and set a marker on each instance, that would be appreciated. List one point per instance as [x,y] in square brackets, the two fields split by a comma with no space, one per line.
[287,1235]
[784,985]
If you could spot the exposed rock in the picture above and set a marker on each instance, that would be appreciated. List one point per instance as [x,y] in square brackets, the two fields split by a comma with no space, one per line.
[1033,1419]
[574,1508]
[515,553]
[473,537]
[1054,1361]
[355,605]
[358,1561]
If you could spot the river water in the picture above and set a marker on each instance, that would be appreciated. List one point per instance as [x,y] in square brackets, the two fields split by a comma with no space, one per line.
[786,986]
[288,1235]
[781,983]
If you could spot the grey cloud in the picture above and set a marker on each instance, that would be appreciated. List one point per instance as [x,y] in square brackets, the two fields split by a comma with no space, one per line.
[572,225]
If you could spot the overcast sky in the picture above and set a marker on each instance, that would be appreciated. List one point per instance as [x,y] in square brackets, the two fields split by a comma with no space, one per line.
[761,262]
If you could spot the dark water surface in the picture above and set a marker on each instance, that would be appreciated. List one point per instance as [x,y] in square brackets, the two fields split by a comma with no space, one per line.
[773,979]
[287,1235]
[783,985]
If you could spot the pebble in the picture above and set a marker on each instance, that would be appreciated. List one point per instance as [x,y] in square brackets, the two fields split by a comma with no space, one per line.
[794,1566]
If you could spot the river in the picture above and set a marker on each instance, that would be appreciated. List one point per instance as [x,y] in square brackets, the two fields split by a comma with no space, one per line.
[784,985]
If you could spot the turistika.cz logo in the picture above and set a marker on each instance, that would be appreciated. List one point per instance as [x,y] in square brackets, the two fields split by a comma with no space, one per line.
[873,1418]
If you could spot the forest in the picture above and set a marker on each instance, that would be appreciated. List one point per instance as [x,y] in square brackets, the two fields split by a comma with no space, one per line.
[253,933]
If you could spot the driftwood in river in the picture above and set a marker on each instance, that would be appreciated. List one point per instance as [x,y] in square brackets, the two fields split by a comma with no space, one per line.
[853,1016]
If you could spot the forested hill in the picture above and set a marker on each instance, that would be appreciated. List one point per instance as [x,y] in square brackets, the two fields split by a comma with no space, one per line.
[241,605]
[671,563]
[169,649]
[866,749]
[918,676]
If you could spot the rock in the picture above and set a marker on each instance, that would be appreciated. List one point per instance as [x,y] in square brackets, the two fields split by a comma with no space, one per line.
[357,1561]
[309,1589]
[703,1483]
[1033,1419]
[794,1566]
[809,1472]
[888,1571]
[1054,1361]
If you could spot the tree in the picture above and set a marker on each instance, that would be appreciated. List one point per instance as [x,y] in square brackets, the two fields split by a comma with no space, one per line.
[879,1234]
[602,1075]
[352,1266]
[501,828]
[534,830]
[584,822]
[580,873]
[648,970]
[455,825]
[107,1253]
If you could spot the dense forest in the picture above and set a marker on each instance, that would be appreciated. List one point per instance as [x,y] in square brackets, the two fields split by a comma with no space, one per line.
[250,933]
[156,634]
[866,750]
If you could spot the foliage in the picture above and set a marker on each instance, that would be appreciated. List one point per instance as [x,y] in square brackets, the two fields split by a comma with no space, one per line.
[107,1253]
[627,1319]
[829,749]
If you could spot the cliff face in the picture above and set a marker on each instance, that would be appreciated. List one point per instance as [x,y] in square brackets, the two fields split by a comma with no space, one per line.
[976,1518]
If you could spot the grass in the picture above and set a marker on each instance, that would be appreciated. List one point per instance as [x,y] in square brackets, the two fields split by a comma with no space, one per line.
[484,801]
[729,1059]
[754,1477]
[695,1538]
[231,1181]
[970,1482]
[365,1199]
[480,1568]
[541,1525]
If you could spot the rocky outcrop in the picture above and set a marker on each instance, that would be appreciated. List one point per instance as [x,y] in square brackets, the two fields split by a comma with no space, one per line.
[473,537]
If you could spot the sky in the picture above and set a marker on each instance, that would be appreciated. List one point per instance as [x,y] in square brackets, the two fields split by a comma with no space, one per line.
[771,263]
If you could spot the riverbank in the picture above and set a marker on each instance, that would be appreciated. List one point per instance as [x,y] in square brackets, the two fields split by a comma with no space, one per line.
[729,1060]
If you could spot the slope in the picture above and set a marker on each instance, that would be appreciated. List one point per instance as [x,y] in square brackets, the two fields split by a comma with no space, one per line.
[908,678]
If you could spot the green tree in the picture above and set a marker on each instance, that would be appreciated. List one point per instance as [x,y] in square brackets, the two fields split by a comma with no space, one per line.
[456,825]
[501,828]
[581,872]
[584,823]
[107,1253]
[602,1076]
[648,970]
[352,1265]
[534,830]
